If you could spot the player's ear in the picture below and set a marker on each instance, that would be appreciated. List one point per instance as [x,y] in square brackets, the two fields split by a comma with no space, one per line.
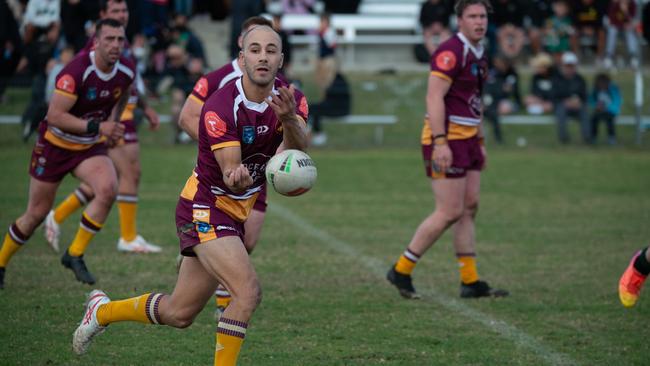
[281,60]
[241,57]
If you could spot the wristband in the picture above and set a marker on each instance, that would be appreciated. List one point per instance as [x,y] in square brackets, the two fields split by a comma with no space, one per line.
[440,139]
[93,126]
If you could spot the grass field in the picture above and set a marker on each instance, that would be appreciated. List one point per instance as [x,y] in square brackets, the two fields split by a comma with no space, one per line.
[556,227]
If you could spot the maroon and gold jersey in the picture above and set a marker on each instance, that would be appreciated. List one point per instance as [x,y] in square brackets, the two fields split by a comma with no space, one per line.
[95,94]
[215,80]
[465,67]
[228,119]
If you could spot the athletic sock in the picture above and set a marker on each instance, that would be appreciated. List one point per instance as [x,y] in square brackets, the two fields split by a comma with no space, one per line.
[69,205]
[230,336]
[406,262]
[467,267]
[641,263]
[141,309]
[222,297]
[87,230]
[14,240]
[128,208]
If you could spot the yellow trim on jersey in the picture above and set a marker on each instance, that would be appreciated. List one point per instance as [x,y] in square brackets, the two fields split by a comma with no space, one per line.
[427,135]
[191,187]
[127,114]
[225,144]
[454,132]
[64,93]
[237,209]
[65,144]
[196,99]
[205,217]
[442,76]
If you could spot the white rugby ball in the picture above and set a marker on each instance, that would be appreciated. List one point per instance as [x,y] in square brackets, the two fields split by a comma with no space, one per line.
[291,172]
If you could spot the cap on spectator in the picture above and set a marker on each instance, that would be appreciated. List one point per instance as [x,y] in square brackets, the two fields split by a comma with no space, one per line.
[274,8]
[541,60]
[569,58]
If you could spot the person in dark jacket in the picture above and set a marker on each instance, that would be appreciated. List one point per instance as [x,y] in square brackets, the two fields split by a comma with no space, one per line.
[336,104]
[570,99]
[501,95]
[605,101]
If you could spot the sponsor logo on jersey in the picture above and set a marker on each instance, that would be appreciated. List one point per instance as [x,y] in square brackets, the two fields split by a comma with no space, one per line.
[200,214]
[91,94]
[203,227]
[215,126]
[224,227]
[304,107]
[248,134]
[201,87]
[66,83]
[475,105]
[261,130]
[42,160]
[117,93]
[104,93]
[446,60]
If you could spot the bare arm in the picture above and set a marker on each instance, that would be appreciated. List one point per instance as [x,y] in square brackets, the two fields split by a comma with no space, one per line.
[189,118]
[437,89]
[294,134]
[58,114]
[235,174]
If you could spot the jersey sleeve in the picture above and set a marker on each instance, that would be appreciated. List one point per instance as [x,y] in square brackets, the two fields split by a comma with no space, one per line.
[200,90]
[445,63]
[68,81]
[218,125]
[302,107]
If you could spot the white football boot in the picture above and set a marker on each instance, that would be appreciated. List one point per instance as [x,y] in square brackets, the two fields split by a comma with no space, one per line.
[137,245]
[52,231]
[89,327]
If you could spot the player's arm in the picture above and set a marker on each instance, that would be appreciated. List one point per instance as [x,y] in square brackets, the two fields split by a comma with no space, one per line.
[118,109]
[436,91]
[235,174]
[294,134]
[58,114]
[189,117]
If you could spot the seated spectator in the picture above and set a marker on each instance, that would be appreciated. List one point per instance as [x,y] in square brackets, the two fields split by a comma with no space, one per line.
[501,96]
[540,99]
[605,101]
[621,19]
[326,65]
[559,30]
[588,20]
[434,20]
[508,18]
[570,99]
[183,36]
[336,104]
[538,13]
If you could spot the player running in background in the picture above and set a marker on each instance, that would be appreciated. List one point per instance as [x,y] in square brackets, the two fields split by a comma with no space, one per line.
[189,122]
[629,286]
[125,155]
[453,151]
[91,93]
[241,127]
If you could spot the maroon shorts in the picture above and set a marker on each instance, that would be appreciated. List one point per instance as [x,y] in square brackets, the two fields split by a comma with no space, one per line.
[197,223]
[260,202]
[466,155]
[51,163]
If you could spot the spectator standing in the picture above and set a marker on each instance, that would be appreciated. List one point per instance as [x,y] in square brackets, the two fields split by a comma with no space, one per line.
[588,20]
[540,99]
[76,15]
[336,104]
[605,101]
[501,95]
[508,18]
[11,46]
[570,99]
[559,30]
[183,36]
[621,19]
[327,64]
[538,13]
[434,20]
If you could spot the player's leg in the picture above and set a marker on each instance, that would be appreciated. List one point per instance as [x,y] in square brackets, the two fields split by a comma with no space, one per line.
[228,260]
[631,282]
[449,195]
[126,158]
[41,199]
[465,242]
[193,289]
[98,172]
[75,200]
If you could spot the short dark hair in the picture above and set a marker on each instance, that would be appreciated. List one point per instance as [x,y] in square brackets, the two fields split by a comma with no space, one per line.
[107,23]
[461,5]
[103,4]
[256,20]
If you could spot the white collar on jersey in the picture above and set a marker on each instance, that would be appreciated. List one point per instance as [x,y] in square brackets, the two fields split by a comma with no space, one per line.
[235,66]
[102,75]
[477,51]
[257,107]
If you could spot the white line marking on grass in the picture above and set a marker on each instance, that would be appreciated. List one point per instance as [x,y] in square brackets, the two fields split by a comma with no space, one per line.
[379,268]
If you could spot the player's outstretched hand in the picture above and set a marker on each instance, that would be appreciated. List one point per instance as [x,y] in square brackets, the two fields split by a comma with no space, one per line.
[112,130]
[151,115]
[284,103]
[238,179]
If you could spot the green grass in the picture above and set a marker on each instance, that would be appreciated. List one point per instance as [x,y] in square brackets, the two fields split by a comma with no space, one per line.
[556,227]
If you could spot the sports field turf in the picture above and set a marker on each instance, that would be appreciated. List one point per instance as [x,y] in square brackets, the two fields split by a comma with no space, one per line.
[556,227]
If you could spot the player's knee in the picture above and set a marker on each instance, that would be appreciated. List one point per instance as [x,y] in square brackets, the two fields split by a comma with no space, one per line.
[181,319]
[250,296]
[471,208]
[451,215]
[106,192]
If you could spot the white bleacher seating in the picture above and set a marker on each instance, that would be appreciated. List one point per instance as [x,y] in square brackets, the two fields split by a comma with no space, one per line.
[378,120]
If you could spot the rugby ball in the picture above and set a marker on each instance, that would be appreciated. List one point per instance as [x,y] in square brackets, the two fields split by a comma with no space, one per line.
[291,172]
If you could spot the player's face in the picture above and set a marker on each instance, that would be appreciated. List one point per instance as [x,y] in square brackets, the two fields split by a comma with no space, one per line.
[118,11]
[110,43]
[473,23]
[262,55]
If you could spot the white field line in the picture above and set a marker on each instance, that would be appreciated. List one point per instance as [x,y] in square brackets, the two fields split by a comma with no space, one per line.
[379,268]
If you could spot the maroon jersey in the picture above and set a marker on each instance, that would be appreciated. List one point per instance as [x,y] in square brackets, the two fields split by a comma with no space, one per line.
[465,67]
[618,15]
[95,94]
[215,80]
[228,119]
